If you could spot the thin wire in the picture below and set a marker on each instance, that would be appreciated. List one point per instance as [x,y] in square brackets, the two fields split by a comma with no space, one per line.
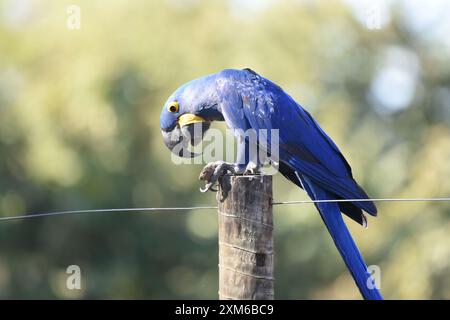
[59,213]
[365,200]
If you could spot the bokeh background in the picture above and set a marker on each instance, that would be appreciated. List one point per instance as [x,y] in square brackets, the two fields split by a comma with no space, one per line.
[79,129]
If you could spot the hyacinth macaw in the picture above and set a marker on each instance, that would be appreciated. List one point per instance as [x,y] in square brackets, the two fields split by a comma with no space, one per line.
[307,155]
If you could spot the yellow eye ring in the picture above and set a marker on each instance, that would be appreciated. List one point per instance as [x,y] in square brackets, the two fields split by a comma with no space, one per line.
[173,107]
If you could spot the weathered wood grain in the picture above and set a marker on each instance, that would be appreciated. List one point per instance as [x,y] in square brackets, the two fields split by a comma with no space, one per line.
[246,238]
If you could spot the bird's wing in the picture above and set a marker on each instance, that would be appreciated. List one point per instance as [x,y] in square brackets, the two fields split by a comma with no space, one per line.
[257,103]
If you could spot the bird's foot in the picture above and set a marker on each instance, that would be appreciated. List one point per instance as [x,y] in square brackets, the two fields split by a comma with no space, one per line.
[213,171]
[252,169]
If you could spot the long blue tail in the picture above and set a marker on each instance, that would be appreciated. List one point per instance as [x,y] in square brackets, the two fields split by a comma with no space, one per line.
[332,217]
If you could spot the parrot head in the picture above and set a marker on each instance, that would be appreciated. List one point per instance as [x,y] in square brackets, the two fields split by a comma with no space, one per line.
[187,115]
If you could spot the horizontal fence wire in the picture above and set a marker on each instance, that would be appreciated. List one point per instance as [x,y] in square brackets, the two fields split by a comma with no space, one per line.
[160,209]
[75,212]
[365,200]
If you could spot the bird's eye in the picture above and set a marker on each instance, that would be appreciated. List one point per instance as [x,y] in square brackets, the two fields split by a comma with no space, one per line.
[173,107]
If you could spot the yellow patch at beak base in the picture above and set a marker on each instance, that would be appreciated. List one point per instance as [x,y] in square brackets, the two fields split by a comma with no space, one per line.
[189,118]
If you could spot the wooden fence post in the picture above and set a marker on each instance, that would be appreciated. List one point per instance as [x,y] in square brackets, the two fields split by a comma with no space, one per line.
[245,238]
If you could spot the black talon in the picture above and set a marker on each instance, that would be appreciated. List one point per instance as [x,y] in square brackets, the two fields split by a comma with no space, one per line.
[207,187]
[218,170]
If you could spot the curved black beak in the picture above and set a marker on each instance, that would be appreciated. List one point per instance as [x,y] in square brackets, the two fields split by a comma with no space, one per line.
[178,139]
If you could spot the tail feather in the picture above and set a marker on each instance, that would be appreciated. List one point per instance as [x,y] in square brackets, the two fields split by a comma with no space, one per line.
[332,218]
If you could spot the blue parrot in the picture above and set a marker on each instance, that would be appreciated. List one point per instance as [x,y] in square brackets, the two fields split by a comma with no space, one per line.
[307,155]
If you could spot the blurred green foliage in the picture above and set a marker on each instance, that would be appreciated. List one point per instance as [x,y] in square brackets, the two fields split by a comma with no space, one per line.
[79,128]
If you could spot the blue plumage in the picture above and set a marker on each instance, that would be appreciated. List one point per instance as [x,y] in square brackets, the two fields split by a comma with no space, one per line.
[307,156]
[329,211]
